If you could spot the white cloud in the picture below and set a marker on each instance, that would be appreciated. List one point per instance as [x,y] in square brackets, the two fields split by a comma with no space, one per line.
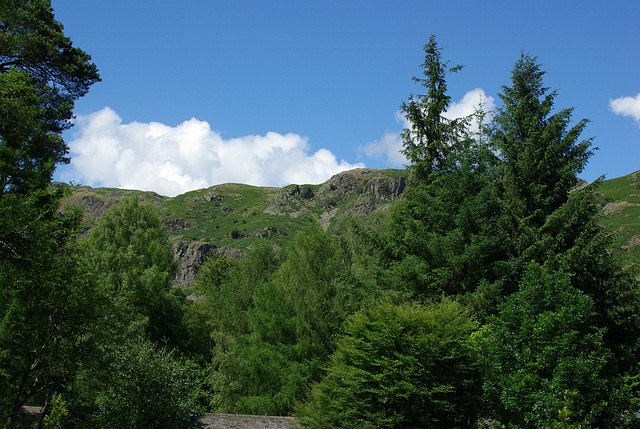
[389,146]
[626,106]
[174,160]
[468,105]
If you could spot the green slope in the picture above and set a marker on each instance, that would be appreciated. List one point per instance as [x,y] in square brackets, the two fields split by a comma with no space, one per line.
[621,214]
[236,215]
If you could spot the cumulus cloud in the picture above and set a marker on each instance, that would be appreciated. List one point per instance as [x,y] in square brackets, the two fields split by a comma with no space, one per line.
[389,146]
[174,160]
[471,101]
[626,106]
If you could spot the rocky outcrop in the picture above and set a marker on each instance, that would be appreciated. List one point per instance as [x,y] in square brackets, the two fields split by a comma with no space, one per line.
[94,206]
[191,256]
[386,188]
[365,181]
[176,225]
[372,190]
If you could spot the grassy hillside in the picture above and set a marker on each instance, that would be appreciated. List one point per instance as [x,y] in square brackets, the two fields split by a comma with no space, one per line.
[621,214]
[236,216]
[233,217]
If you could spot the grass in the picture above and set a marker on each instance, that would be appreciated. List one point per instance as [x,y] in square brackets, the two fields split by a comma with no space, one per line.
[238,216]
[621,201]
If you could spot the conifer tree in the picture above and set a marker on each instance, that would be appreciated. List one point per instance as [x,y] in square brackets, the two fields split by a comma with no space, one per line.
[432,138]
[540,154]
[41,76]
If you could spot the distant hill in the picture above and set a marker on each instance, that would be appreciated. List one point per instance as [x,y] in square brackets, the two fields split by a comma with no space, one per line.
[228,219]
[620,201]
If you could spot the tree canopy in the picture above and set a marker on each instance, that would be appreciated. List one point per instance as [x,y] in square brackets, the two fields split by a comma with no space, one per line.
[41,76]
[432,138]
[487,291]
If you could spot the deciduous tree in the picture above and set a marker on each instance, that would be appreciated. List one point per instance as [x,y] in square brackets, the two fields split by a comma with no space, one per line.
[129,252]
[400,366]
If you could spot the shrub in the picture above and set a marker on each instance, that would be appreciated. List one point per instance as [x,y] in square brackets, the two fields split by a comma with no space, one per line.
[403,366]
[149,388]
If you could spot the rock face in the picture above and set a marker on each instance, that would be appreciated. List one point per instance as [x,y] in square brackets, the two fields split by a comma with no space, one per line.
[374,183]
[372,189]
[192,255]
[175,225]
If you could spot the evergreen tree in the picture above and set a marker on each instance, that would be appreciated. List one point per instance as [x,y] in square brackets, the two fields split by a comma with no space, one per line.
[442,237]
[432,138]
[545,342]
[41,76]
[540,154]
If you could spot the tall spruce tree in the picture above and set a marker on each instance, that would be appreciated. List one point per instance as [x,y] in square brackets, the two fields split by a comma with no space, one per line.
[544,221]
[540,154]
[441,238]
[432,138]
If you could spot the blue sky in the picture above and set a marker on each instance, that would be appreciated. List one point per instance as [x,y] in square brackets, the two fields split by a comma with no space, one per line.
[196,93]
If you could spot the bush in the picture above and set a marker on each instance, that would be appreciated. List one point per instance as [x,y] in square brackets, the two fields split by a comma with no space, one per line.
[149,388]
[545,359]
[399,367]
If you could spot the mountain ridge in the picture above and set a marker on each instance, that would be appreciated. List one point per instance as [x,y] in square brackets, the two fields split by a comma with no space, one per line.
[230,218]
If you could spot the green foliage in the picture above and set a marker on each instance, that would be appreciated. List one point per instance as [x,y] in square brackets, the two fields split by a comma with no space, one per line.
[401,366]
[50,309]
[148,388]
[470,230]
[446,235]
[130,253]
[41,75]
[307,192]
[431,140]
[291,323]
[544,342]
[228,287]
[58,417]
[541,157]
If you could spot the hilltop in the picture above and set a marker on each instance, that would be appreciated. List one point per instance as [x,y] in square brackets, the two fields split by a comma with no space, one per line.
[229,218]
